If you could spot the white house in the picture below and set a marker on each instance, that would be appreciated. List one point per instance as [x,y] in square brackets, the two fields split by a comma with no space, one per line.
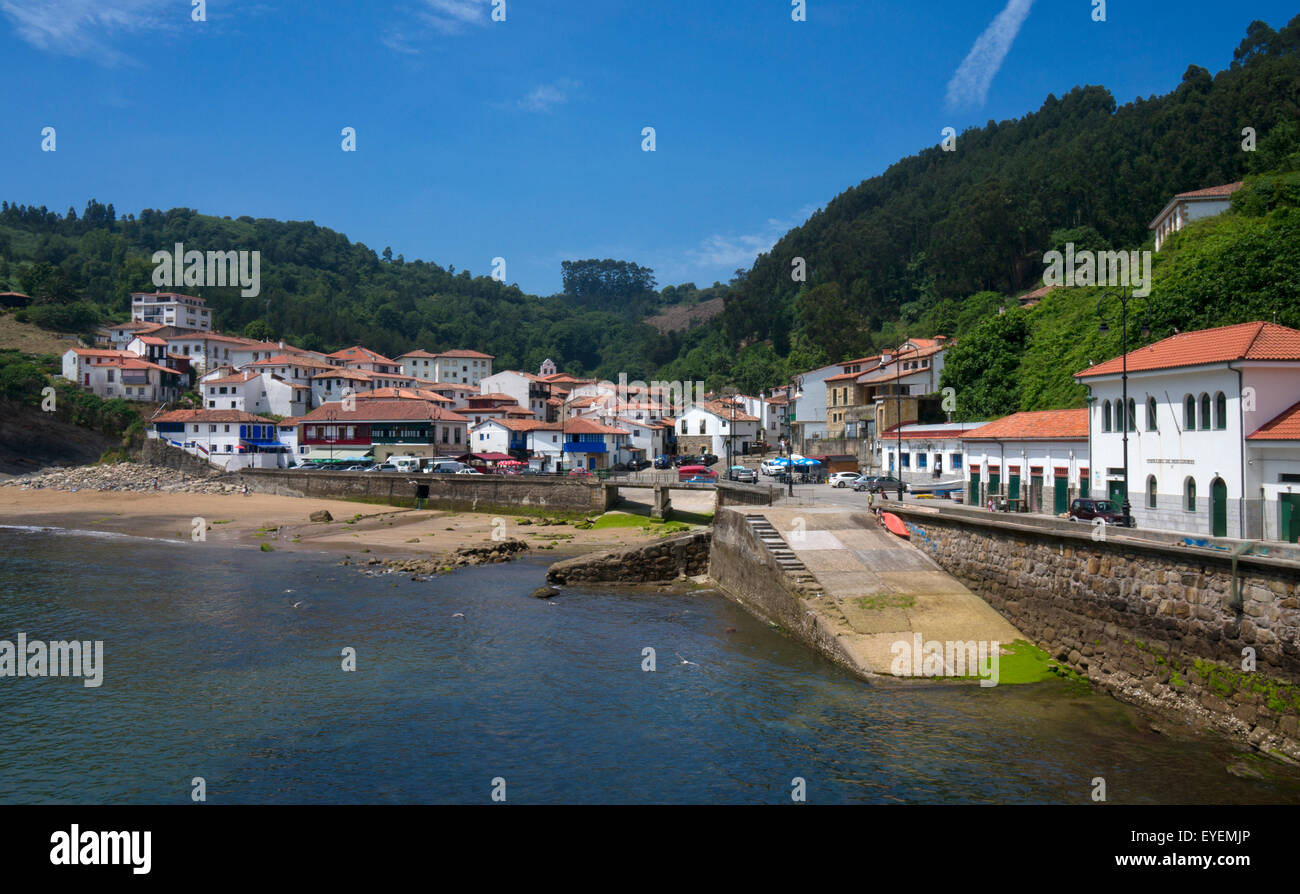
[256,392]
[1189,206]
[231,439]
[930,454]
[710,426]
[460,366]
[1275,465]
[206,350]
[590,445]
[1039,460]
[171,309]
[1195,401]
[121,374]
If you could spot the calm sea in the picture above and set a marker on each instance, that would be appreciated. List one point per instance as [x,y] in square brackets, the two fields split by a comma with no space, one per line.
[210,671]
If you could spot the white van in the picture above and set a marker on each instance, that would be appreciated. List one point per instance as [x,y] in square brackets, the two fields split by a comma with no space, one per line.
[405,463]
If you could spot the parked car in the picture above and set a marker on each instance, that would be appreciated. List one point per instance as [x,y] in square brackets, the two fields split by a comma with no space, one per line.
[663,461]
[882,483]
[689,474]
[383,467]
[638,464]
[843,479]
[772,467]
[742,474]
[685,459]
[580,473]
[468,471]
[1086,509]
[708,459]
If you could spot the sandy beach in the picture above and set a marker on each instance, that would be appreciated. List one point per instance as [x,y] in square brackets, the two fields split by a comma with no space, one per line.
[252,520]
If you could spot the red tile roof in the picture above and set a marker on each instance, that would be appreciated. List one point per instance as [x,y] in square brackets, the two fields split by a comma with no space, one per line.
[1217,192]
[583,426]
[1283,427]
[358,354]
[405,394]
[381,411]
[1243,341]
[209,416]
[1041,425]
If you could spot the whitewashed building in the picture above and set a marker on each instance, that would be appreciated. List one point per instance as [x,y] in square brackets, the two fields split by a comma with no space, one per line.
[1207,420]
[1189,206]
[1036,460]
[171,309]
[231,439]
[929,454]
[459,366]
[710,426]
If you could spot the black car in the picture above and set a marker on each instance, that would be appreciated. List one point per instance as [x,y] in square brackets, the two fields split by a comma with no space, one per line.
[708,459]
[686,459]
[1087,509]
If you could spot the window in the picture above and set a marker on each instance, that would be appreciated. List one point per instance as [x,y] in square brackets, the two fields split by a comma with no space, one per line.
[1132,415]
[1205,412]
[921,460]
[1105,416]
[1220,411]
[1189,413]
[907,460]
[1189,494]
[954,461]
[1151,414]
[701,426]
[1151,492]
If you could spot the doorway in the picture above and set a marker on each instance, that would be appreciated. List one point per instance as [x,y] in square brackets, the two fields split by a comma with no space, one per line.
[1219,508]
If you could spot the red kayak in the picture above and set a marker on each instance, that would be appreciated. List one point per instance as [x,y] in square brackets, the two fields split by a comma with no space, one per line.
[894,523]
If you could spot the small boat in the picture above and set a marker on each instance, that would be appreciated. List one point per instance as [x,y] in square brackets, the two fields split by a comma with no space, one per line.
[895,524]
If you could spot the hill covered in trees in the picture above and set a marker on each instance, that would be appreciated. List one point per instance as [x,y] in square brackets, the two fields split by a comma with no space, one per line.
[934,244]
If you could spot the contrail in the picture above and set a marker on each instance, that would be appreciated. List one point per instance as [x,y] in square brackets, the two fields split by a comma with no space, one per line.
[970,85]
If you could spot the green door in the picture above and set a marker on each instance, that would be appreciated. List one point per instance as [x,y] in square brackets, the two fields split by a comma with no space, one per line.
[1062,501]
[1013,486]
[1219,508]
[1288,507]
[1116,491]
[1036,492]
[974,488]
[995,479]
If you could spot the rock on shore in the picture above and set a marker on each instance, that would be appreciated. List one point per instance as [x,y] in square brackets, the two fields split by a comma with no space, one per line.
[123,477]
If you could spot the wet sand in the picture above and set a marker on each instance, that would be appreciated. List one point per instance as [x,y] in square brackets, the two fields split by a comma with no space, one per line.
[252,520]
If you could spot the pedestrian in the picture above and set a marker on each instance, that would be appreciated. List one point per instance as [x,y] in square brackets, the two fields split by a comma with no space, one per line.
[990,504]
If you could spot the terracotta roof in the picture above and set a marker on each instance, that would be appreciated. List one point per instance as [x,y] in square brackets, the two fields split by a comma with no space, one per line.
[381,411]
[720,408]
[1216,192]
[152,340]
[583,426]
[286,360]
[1283,427]
[462,352]
[236,379]
[929,432]
[1243,341]
[209,416]
[405,394]
[358,354]
[206,336]
[1041,425]
[495,395]
[340,373]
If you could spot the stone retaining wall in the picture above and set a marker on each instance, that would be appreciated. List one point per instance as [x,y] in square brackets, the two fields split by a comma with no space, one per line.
[1159,624]
[462,493]
[156,452]
[686,555]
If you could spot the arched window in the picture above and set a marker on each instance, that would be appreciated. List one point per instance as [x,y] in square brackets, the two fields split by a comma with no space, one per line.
[1132,415]
[1189,413]
[1220,411]
[1151,415]
[1151,492]
[1189,494]
[1205,412]
[1105,416]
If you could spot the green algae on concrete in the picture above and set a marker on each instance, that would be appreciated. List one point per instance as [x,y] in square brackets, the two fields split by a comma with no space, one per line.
[1019,663]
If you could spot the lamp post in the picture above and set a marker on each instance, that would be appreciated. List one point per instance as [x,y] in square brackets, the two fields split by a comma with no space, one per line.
[1124,295]
[730,393]
[898,402]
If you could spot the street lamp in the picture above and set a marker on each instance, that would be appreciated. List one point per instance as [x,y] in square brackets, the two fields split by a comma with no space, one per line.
[730,393]
[1124,295]
[898,402]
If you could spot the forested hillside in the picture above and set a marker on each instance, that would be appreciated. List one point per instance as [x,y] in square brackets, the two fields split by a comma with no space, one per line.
[934,244]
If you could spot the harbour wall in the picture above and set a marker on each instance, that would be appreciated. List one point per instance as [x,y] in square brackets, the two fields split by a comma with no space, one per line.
[1153,622]
[461,493]
[683,556]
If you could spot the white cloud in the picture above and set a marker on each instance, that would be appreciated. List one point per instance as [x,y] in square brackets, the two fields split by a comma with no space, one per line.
[545,97]
[732,251]
[970,84]
[451,16]
[85,27]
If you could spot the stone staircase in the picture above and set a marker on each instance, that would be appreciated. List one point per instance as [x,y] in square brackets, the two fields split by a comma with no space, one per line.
[785,558]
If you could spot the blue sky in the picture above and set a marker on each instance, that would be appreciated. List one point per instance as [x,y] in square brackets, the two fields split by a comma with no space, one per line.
[522,139]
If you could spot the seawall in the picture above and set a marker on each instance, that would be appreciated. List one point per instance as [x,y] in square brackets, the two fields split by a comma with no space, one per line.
[461,493]
[686,555]
[1155,623]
